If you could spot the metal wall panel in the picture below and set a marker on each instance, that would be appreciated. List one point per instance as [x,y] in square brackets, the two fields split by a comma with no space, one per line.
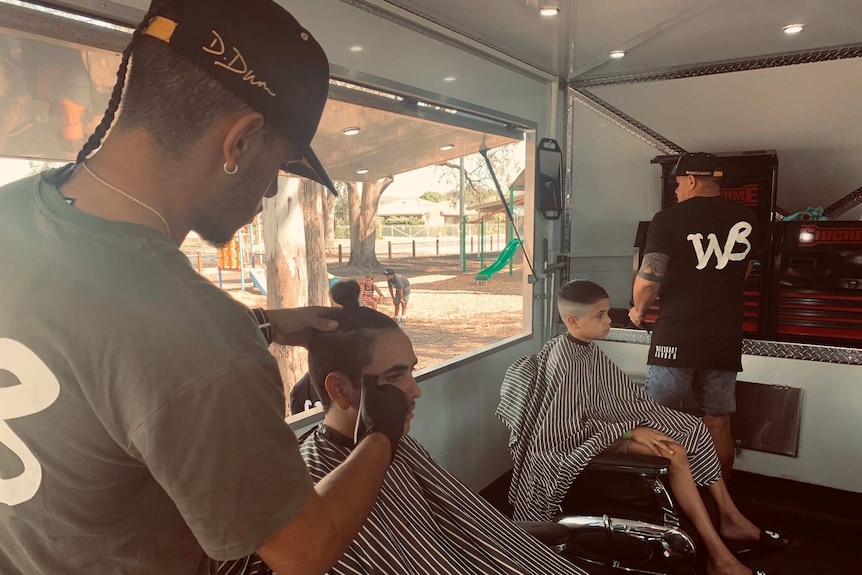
[768,418]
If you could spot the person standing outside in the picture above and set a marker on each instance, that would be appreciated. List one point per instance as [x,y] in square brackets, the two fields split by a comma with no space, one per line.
[697,256]
[138,401]
[399,291]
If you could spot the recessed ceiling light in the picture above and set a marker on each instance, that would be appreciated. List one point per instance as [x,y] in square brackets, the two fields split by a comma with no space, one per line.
[362,171]
[617,54]
[352,131]
[447,147]
[356,48]
[449,79]
[549,10]
[793,28]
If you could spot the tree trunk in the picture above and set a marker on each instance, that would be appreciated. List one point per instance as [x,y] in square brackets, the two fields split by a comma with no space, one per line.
[353,213]
[315,250]
[286,272]
[363,253]
[328,220]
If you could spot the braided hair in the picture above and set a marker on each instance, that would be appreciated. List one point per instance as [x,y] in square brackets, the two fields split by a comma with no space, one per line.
[95,140]
[162,92]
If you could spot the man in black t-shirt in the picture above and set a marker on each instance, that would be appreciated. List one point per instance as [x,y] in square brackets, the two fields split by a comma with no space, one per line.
[697,255]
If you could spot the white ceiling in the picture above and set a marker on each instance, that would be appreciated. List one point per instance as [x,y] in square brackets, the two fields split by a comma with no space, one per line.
[806,113]
[655,33]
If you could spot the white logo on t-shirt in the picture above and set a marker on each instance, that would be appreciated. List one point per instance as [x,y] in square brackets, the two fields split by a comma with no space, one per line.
[38,389]
[665,352]
[738,234]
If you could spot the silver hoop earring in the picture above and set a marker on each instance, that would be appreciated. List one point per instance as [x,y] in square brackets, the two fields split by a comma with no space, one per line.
[230,172]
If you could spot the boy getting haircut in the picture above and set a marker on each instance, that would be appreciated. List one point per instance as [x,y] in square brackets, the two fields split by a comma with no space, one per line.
[569,403]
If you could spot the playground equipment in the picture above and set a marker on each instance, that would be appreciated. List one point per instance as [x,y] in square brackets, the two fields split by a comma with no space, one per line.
[502,260]
[238,255]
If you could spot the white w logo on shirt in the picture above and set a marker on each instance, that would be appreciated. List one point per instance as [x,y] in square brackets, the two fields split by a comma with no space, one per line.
[738,234]
[37,389]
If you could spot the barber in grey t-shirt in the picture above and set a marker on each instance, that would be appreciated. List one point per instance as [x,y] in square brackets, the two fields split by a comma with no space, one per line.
[141,413]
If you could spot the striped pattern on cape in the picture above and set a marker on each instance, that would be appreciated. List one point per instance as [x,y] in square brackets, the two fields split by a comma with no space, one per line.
[426,522]
[568,403]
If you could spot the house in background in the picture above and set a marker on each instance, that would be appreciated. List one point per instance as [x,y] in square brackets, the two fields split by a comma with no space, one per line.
[449,214]
[430,213]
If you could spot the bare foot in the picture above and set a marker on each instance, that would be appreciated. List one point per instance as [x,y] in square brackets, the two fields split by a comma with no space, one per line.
[739,529]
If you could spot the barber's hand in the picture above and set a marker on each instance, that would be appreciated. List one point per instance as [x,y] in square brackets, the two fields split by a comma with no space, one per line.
[382,408]
[293,326]
[655,440]
[636,317]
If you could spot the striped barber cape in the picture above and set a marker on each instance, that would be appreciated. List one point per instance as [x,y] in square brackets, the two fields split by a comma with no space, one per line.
[426,522]
[568,403]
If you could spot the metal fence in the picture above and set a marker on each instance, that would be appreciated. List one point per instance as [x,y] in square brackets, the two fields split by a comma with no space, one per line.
[424,231]
[422,247]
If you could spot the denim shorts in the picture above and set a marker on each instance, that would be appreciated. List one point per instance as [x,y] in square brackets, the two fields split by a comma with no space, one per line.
[405,295]
[712,390]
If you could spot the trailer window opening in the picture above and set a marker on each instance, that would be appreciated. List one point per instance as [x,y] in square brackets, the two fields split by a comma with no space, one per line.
[423,195]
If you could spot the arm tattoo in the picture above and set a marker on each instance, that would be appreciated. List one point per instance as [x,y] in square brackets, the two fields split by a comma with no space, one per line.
[654,267]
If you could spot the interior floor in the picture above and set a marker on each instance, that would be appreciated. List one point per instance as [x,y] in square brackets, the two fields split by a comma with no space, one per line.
[824,523]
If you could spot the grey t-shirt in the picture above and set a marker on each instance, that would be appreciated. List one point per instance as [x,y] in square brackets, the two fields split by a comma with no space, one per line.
[141,414]
[398,281]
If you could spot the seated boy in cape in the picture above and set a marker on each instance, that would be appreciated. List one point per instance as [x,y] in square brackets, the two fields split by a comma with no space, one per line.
[425,521]
[568,403]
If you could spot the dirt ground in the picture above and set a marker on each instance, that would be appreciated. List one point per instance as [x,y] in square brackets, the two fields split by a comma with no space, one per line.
[448,315]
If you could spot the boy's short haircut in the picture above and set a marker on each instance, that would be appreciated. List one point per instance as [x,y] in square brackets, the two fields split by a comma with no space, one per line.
[582,292]
[348,349]
[576,297]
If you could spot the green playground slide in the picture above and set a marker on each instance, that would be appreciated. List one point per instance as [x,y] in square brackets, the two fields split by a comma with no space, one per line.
[502,261]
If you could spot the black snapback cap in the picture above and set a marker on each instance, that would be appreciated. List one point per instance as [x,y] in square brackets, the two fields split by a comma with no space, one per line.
[257,50]
[698,164]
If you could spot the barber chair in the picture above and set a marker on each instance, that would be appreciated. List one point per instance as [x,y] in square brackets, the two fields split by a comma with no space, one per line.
[554,535]
[621,516]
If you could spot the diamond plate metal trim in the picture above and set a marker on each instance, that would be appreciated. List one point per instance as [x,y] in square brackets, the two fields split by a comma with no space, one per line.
[629,336]
[725,66]
[844,205]
[626,122]
[807,352]
[783,350]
